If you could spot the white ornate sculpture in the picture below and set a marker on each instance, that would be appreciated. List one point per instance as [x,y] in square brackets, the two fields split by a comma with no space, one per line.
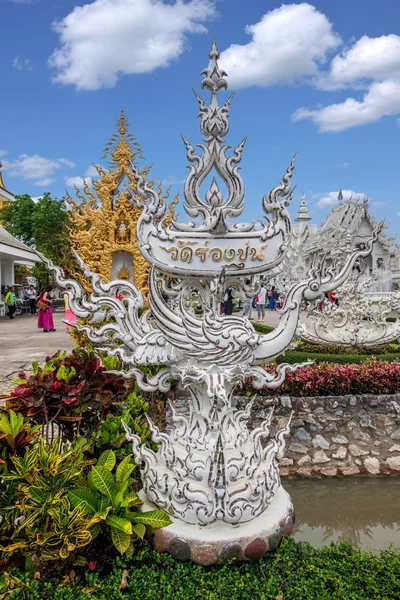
[218,481]
[356,319]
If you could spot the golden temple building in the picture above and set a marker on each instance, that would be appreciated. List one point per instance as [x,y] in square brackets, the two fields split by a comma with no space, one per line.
[5,195]
[103,223]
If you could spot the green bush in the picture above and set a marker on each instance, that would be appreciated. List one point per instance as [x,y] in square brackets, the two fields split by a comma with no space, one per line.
[336,349]
[112,436]
[37,517]
[107,492]
[293,356]
[16,434]
[262,329]
[296,571]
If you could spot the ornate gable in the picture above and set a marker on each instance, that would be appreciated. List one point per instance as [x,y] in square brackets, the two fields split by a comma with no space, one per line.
[104,223]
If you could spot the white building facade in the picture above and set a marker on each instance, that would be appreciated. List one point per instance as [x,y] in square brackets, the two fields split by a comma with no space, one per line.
[12,251]
[348,226]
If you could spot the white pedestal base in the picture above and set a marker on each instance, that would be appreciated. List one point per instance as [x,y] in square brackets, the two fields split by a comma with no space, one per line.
[218,543]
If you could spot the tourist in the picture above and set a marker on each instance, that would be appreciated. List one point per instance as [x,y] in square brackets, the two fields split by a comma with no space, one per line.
[31,296]
[248,304]
[45,319]
[261,303]
[11,301]
[272,298]
[333,299]
[228,301]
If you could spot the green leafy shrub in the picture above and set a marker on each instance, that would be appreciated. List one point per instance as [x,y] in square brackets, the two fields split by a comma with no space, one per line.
[16,434]
[111,435]
[296,571]
[72,391]
[108,491]
[38,518]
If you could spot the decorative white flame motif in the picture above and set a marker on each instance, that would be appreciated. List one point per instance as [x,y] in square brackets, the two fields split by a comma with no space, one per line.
[356,319]
[209,467]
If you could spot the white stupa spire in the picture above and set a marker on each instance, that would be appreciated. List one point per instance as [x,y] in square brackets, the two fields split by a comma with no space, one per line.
[303,215]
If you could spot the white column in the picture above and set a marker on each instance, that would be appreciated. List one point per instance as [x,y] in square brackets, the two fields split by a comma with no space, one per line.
[9,272]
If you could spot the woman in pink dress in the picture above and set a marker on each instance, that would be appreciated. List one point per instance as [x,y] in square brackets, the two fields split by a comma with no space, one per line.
[45,318]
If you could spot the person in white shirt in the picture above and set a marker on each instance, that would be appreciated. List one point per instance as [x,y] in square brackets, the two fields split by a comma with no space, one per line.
[32,297]
[261,303]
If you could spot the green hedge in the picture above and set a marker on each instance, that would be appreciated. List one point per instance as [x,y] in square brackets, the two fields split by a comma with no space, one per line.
[297,571]
[293,356]
[263,329]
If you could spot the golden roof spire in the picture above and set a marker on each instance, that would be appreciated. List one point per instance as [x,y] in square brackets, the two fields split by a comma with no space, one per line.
[1,178]
[104,220]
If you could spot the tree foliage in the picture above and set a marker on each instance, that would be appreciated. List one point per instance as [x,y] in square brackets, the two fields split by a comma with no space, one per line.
[42,225]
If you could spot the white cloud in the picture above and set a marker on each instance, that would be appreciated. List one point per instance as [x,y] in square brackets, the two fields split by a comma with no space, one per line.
[372,64]
[91,171]
[108,38]
[22,64]
[36,198]
[77,181]
[45,181]
[330,199]
[3,153]
[36,167]
[378,204]
[287,43]
[382,99]
[368,59]
[398,214]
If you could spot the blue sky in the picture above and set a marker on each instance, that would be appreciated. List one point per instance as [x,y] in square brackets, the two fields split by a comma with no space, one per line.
[319,78]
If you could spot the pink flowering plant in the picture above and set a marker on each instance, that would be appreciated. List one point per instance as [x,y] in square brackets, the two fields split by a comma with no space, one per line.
[329,379]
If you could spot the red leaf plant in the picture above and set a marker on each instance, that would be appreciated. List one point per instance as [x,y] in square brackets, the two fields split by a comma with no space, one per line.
[72,391]
[329,379]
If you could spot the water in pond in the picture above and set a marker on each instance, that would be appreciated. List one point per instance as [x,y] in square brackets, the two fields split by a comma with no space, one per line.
[365,512]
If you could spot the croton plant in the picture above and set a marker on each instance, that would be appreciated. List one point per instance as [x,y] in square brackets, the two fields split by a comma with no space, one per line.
[73,391]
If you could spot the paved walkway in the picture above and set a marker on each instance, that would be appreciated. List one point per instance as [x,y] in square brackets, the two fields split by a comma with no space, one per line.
[22,343]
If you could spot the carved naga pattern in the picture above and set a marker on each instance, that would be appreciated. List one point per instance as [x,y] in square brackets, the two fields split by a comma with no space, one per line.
[209,468]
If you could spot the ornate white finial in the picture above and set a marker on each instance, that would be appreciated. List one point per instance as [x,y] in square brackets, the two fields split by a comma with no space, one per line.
[217,480]
[340,196]
[303,214]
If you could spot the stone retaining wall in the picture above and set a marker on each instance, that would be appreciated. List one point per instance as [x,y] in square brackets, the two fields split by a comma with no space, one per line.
[336,435]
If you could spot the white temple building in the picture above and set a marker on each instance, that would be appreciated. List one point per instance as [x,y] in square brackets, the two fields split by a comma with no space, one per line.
[349,225]
[12,251]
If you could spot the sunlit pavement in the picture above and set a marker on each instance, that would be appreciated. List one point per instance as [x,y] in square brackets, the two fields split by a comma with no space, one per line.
[21,343]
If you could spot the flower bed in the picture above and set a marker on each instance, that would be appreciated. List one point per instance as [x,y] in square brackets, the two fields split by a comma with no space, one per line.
[327,379]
